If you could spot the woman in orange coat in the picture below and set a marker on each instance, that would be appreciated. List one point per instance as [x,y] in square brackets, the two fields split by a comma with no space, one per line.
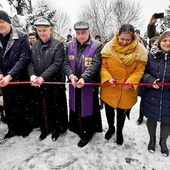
[123,64]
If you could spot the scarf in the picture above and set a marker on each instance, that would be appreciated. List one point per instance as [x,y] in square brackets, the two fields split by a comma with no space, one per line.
[125,54]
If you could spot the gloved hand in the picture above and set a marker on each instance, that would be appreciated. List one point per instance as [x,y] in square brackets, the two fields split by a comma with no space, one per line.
[33,77]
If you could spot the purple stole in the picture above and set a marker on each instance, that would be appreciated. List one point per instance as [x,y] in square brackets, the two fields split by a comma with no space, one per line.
[87,90]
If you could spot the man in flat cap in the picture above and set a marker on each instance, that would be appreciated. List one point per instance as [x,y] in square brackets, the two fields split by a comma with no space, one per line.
[46,66]
[14,58]
[82,65]
[42,22]
[81,25]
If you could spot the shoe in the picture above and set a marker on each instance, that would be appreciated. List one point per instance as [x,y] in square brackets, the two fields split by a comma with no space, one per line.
[25,133]
[10,134]
[140,120]
[54,135]
[83,142]
[109,133]
[151,145]
[63,129]
[119,139]
[42,136]
[164,148]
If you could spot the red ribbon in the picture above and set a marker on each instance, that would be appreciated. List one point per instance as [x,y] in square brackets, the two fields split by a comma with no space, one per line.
[95,84]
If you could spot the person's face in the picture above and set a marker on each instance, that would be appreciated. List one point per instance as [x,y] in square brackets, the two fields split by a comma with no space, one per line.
[44,32]
[98,39]
[165,44]
[125,39]
[4,27]
[32,39]
[82,35]
[153,43]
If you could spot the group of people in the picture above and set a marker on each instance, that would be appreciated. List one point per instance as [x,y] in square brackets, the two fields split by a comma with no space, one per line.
[119,65]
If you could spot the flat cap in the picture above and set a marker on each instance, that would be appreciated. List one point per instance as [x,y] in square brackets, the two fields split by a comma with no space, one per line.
[42,22]
[81,25]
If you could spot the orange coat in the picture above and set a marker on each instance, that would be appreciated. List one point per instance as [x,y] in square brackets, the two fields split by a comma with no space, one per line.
[118,97]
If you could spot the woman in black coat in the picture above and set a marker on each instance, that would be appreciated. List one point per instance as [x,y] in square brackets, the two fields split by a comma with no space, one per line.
[155,101]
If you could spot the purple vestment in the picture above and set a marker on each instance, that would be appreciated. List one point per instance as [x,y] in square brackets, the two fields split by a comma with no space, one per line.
[87,90]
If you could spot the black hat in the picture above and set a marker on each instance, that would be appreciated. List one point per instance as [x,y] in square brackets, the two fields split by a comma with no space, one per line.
[81,25]
[42,22]
[69,36]
[4,16]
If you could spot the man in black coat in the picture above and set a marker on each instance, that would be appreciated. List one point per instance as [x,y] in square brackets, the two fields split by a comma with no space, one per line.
[46,66]
[82,65]
[14,59]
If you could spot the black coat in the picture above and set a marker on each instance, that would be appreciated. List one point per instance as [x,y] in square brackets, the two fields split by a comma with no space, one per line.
[155,103]
[46,62]
[47,59]
[14,61]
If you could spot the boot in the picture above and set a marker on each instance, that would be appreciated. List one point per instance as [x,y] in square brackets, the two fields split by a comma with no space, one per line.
[140,119]
[164,148]
[83,142]
[110,115]
[121,115]
[109,133]
[152,125]
[151,145]
[42,136]
[119,138]
[55,135]
[11,132]
[164,133]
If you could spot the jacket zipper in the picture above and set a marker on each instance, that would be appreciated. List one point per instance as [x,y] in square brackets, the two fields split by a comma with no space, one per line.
[162,87]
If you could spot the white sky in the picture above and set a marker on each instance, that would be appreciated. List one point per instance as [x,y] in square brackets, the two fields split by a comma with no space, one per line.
[149,7]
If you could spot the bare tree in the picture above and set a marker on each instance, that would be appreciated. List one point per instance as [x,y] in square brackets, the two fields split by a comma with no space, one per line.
[167,18]
[127,12]
[106,16]
[22,6]
[59,19]
[98,14]
[62,22]
[28,12]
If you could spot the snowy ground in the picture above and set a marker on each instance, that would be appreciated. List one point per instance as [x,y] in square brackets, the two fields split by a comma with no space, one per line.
[28,153]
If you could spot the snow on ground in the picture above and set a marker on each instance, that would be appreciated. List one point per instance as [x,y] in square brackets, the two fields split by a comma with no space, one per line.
[28,153]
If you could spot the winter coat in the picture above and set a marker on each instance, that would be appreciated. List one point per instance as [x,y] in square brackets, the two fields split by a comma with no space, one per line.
[113,67]
[47,59]
[155,103]
[46,62]
[14,60]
